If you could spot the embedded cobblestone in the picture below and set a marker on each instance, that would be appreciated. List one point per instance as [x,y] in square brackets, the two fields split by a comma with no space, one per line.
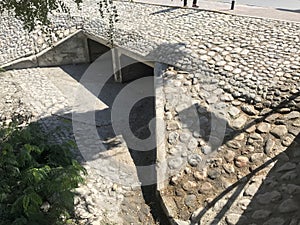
[242,78]
[237,159]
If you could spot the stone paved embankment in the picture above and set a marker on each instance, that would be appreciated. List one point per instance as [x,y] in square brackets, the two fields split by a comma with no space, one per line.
[186,38]
[220,151]
[242,75]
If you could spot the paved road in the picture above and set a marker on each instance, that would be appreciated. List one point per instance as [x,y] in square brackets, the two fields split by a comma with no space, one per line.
[279,4]
[280,9]
[282,4]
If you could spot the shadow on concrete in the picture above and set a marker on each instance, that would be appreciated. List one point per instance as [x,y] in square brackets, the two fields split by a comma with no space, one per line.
[75,71]
[289,10]
[140,115]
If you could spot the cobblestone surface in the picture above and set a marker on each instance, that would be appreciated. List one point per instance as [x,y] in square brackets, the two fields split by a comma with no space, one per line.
[241,87]
[11,102]
[227,158]
[249,57]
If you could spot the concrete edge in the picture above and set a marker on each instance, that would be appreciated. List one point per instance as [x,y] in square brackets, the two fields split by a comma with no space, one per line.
[161,164]
[32,60]
[165,209]
[217,11]
[121,50]
[168,214]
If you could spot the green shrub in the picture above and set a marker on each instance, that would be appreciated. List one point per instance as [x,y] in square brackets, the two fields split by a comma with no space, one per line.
[36,179]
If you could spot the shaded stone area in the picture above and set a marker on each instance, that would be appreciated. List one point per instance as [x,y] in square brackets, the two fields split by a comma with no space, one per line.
[214,141]
[96,49]
[46,95]
[141,115]
[277,200]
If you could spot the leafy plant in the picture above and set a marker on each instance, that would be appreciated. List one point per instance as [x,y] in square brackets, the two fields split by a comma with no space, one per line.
[36,179]
[107,8]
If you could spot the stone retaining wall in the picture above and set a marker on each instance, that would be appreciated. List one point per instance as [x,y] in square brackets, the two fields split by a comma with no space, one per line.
[217,145]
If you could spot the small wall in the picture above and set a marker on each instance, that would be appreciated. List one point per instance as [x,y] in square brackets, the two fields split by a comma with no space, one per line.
[72,51]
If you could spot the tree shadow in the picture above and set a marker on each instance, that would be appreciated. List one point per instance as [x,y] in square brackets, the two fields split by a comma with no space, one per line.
[211,123]
[278,174]
[266,198]
[278,197]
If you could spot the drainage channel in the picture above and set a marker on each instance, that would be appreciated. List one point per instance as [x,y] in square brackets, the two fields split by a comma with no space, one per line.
[141,115]
[142,112]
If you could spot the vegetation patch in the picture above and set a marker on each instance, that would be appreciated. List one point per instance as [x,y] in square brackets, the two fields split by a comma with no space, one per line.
[36,178]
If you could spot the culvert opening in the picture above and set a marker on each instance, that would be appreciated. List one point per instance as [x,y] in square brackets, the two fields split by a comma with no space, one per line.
[134,70]
[128,67]
[96,49]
